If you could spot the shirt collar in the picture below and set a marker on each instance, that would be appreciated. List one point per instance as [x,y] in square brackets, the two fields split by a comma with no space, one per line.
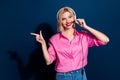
[75,34]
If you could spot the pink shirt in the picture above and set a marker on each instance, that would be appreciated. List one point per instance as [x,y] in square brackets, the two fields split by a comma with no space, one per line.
[71,55]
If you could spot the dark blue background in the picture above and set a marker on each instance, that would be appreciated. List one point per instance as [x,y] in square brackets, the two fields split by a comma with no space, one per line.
[20,17]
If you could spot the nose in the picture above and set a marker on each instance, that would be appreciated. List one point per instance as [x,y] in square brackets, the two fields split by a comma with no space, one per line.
[67,20]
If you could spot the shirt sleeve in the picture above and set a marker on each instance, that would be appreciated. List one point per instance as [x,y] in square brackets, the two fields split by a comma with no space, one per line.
[93,41]
[51,51]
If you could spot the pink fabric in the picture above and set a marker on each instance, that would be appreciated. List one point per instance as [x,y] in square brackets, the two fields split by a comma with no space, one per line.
[71,55]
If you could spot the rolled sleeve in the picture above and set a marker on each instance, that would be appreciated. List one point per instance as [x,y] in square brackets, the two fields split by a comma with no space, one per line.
[51,52]
[93,41]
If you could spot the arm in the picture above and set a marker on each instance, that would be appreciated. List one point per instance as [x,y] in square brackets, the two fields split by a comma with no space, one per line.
[99,35]
[45,53]
[40,39]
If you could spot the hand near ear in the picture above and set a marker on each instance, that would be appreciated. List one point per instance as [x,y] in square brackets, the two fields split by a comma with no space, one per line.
[81,22]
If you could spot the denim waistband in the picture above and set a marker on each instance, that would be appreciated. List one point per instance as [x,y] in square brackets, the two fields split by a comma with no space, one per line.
[70,72]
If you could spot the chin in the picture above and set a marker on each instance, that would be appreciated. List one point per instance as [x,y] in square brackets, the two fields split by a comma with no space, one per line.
[68,27]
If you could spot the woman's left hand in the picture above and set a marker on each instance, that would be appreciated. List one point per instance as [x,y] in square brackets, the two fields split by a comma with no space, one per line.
[81,22]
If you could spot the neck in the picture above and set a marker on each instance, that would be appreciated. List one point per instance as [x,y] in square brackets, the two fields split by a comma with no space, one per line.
[69,31]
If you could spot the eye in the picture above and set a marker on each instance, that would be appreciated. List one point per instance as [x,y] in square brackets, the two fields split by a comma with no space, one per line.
[63,19]
[70,16]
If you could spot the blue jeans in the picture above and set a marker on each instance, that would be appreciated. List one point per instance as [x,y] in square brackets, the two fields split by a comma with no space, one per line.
[72,75]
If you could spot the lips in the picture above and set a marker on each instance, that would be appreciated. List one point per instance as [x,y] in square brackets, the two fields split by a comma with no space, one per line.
[69,24]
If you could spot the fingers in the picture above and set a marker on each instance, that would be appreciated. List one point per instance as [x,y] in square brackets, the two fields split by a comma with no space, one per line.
[34,34]
[38,37]
[41,34]
[76,21]
[81,22]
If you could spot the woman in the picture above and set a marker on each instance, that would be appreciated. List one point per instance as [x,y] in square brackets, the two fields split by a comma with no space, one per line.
[69,47]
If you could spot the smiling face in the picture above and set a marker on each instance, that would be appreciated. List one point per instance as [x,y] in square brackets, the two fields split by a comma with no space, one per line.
[65,18]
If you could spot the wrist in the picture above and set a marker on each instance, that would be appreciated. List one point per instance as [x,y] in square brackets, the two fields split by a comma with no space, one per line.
[86,27]
[43,42]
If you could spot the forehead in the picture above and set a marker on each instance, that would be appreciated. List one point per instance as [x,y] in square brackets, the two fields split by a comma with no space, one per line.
[67,13]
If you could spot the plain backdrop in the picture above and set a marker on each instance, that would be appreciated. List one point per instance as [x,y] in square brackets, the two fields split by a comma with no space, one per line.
[20,17]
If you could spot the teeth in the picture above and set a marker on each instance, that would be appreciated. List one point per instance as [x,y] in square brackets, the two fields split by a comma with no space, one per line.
[68,24]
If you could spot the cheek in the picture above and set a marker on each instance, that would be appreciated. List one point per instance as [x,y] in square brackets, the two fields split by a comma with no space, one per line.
[64,25]
[63,22]
[72,19]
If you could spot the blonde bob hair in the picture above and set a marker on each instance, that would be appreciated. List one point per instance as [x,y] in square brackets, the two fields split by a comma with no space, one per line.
[59,19]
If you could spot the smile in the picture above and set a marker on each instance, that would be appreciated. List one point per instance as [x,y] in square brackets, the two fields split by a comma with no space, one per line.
[69,24]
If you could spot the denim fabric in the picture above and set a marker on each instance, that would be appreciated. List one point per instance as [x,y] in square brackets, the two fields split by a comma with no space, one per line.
[73,75]
[84,75]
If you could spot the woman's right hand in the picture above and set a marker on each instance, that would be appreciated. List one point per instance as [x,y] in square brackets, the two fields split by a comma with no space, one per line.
[39,37]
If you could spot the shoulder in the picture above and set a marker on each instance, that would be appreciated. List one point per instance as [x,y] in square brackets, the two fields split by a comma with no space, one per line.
[82,32]
[55,37]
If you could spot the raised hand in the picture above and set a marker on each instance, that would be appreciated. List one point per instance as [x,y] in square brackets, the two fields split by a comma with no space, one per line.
[39,37]
[81,22]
